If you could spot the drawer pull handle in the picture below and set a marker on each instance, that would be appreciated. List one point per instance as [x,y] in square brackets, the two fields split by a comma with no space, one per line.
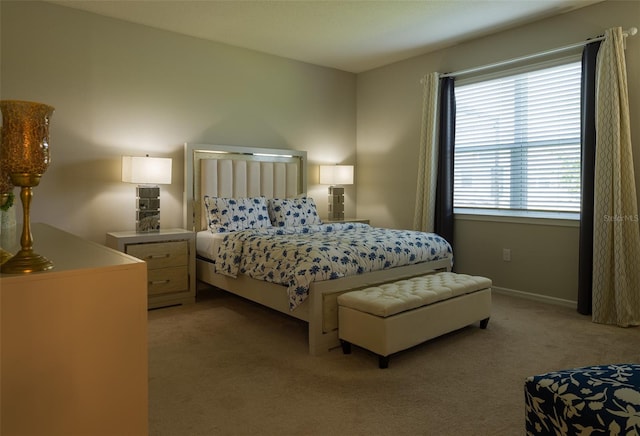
[159,282]
[158,256]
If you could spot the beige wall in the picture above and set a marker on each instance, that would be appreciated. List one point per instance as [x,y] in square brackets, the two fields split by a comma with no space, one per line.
[544,257]
[120,88]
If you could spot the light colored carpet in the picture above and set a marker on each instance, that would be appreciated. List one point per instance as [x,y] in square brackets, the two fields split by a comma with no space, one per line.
[226,366]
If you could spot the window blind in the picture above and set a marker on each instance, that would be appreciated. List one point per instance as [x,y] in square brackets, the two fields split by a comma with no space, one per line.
[517,144]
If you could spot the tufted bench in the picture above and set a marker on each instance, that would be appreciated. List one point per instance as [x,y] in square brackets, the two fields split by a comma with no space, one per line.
[602,399]
[395,316]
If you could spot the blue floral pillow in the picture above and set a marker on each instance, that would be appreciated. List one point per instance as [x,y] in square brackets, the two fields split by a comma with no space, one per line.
[233,214]
[293,212]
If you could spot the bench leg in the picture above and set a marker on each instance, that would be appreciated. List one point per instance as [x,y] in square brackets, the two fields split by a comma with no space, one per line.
[346,346]
[383,362]
[484,323]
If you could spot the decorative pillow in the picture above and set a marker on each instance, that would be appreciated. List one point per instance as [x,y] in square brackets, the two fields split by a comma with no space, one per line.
[233,214]
[293,212]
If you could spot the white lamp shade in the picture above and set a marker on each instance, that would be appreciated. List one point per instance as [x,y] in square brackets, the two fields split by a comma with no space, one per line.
[336,174]
[146,170]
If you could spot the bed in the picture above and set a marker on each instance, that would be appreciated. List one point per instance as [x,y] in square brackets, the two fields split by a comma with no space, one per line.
[220,177]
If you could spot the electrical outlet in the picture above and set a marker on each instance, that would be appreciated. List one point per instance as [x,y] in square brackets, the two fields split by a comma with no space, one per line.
[506,254]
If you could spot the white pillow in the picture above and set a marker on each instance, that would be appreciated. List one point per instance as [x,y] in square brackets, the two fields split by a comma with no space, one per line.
[233,214]
[292,212]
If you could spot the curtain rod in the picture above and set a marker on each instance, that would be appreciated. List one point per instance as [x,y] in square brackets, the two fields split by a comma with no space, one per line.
[630,32]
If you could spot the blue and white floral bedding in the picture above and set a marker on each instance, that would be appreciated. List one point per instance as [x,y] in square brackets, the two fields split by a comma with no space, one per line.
[297,256]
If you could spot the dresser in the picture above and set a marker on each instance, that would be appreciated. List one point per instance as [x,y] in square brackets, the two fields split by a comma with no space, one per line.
[170,258]
[74,341]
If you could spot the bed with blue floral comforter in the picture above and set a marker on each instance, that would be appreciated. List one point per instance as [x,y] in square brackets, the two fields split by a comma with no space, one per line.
[297,256]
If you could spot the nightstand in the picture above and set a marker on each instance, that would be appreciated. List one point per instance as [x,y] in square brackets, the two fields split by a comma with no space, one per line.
[170,258]
[346,220]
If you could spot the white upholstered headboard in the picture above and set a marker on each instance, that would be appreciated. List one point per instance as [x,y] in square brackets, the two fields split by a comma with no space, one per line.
[231,171]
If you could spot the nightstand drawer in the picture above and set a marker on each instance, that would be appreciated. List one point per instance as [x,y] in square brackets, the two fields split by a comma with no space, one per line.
[166,280]
[161,254]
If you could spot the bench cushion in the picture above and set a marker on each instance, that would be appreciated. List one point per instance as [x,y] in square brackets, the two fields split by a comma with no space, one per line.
[392,298]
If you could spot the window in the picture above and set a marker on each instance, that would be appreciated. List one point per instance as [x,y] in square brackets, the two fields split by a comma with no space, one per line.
[517,143]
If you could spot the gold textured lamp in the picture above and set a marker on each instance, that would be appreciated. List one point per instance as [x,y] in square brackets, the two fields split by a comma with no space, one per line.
[25,157]
[148,173]
[336,176]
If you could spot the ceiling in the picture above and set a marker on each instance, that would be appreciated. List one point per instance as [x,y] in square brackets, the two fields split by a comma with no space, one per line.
[349,35]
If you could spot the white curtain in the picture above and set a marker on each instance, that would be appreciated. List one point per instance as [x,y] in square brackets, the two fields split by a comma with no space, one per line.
[616,234]
[424,215]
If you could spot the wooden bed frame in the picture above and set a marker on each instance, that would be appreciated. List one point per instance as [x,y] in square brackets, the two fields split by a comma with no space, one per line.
[248,171]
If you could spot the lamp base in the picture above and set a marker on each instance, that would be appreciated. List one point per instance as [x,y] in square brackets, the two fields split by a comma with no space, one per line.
[336,203]
[26,261]
[148,209]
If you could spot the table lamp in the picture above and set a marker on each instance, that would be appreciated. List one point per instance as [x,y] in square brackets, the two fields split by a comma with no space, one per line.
[336,176]
[148,173]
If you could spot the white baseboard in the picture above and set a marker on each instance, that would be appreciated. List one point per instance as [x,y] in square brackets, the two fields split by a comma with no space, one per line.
[536,297]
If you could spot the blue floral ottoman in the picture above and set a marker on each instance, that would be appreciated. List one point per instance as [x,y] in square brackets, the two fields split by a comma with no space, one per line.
[594,400]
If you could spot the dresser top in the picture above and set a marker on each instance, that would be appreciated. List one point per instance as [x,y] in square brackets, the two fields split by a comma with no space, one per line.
[69,252]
